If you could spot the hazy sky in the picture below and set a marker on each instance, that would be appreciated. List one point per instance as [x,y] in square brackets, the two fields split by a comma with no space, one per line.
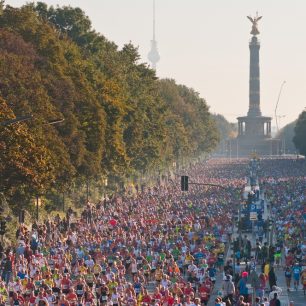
[204,44]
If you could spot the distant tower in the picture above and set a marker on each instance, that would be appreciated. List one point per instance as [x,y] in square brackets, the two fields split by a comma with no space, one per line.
[254,130]
[254,81]
[153,55]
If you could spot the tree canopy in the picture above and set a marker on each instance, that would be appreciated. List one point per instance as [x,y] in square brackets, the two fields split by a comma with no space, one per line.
[119,118]
[299,138]
[226,129]
[286,134]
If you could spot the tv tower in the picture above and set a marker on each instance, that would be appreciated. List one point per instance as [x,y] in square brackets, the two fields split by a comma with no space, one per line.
[153,55]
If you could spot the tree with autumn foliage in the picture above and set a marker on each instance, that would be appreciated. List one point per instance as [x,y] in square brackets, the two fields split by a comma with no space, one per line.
[120,120]
[26,166]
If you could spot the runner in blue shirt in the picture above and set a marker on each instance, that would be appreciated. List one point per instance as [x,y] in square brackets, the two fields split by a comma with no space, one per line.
[296,270]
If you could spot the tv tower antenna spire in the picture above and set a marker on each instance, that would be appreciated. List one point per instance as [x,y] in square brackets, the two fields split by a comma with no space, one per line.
[153,55]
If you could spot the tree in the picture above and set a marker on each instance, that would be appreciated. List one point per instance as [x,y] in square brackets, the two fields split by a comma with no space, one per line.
[120,119]
[286,134]
[197,133]
[226,129]
[299,138]
[26,164]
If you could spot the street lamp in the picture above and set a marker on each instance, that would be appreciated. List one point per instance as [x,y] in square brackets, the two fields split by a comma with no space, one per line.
[56,121]
[16,120]
[26,118]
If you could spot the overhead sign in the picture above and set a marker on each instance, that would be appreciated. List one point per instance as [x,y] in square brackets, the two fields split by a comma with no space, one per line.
[253,216]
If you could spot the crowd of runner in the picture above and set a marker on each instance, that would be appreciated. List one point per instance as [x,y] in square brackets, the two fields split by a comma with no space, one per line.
[158,247]
[286,191]
[283,184]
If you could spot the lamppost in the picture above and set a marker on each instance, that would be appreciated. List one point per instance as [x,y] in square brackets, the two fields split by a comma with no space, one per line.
[16,120]
[27,118]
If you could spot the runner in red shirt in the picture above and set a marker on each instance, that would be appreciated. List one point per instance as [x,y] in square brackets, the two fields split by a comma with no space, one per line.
[72,297]
[146,297]
[188,290]
[209,284]
[157,296]
[65,284]
[204,292]
[31,298]
[168,298]
[289,260]
[212,259]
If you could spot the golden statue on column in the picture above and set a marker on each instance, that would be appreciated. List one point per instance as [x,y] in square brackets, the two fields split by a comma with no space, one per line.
[254,21]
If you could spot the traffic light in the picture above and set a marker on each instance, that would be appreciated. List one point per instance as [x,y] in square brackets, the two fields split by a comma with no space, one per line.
[184,183]
[2,227]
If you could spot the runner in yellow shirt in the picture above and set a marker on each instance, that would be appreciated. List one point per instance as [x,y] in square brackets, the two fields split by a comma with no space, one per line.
[158,275]
[97,269]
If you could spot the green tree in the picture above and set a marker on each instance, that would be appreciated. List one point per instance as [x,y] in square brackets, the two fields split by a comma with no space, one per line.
[299,138]
[286,134]
[226,129]
[120,120]
[193,114]
[26,164]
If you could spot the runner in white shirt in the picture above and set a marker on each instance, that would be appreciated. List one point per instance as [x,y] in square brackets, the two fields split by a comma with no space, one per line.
[89,262]
[17,286]
[165,282]
[192,268]
[134,269]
